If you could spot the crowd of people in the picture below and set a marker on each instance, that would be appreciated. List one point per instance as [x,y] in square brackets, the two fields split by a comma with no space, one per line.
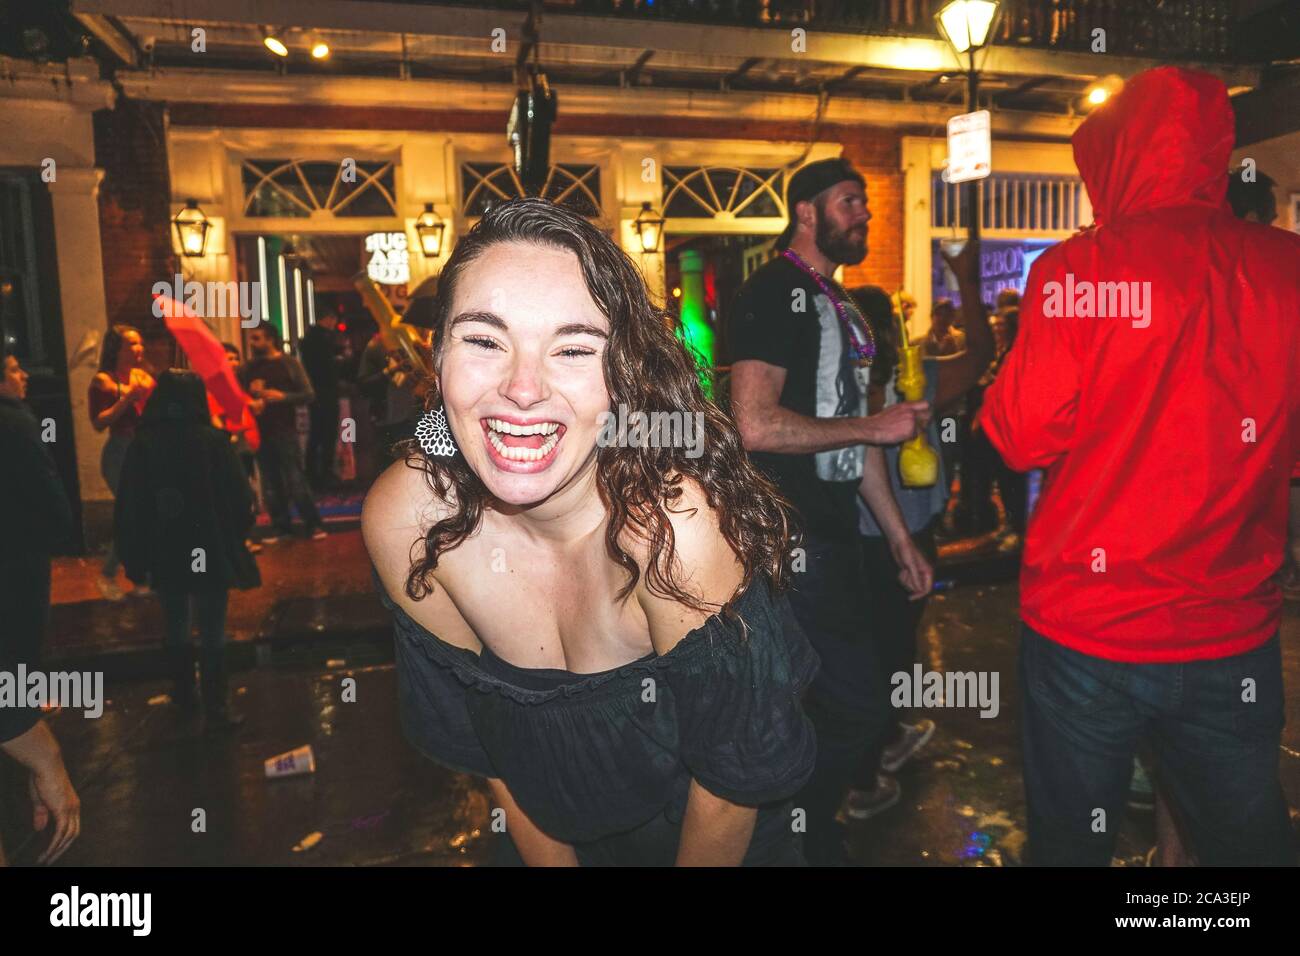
[1150,592]
[287,474]
[690,660]
[184,473]
[1129,638]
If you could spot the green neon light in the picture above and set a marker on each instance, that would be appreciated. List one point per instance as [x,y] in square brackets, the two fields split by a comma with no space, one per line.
[695,331]
[274,248]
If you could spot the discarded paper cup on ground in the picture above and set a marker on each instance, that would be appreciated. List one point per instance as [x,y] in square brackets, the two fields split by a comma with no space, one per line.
[292,763]
[309,841]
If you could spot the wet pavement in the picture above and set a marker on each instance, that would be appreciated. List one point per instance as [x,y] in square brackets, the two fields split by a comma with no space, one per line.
[142,773]
[962,798]
[295,571]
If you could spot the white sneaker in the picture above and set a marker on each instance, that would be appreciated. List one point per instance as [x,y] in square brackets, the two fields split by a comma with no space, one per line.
[108,587]
[915,736]
[865,804]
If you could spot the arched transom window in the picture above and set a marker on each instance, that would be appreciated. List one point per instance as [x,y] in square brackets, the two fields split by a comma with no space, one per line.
[575,186]
[722,192]
[298,189]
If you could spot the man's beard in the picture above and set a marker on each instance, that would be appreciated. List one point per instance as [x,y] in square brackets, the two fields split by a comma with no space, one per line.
[840,247]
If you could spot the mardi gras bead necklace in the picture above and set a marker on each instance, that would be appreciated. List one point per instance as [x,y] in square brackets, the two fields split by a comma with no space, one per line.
[863,349]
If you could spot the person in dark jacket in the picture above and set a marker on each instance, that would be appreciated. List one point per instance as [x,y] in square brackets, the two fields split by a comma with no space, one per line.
[36,518]
[183,511]
[319,350]
[278,384]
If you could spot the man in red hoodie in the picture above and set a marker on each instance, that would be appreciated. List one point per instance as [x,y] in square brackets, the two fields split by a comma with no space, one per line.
[1154,379]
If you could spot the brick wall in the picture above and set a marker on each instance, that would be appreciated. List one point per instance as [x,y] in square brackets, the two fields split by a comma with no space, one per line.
[875,153]
[873,150]
[134,216]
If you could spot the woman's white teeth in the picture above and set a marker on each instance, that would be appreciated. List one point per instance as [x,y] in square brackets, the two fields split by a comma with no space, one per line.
[537,428]
[523,454]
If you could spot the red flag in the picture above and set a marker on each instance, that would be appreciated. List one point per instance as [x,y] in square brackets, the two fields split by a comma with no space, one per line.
[206,354]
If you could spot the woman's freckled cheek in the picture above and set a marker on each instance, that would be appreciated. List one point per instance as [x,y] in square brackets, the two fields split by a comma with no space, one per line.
[587,396]
[468,380]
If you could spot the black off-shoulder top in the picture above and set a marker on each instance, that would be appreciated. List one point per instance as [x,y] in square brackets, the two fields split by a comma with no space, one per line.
[591,756]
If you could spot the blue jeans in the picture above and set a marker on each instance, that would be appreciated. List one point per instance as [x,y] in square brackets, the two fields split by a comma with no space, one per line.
[284,481]
[1216,754]
[111,460]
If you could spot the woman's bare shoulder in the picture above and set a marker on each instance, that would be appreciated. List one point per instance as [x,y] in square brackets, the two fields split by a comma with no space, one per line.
[697,530]
[402,499]
[706,566]
[399,508]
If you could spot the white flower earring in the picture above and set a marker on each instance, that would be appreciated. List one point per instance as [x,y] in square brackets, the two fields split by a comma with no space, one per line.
[434,434]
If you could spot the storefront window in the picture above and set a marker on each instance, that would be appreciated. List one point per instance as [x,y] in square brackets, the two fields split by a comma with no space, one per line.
[1004,264]
[20,305]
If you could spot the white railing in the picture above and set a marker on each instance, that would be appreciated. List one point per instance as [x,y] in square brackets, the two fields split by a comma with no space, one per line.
[1026,203]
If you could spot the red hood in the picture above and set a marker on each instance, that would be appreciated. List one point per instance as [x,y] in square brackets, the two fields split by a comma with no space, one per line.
[1164,140]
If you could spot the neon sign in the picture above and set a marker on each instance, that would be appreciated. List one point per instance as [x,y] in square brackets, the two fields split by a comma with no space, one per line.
[390,259]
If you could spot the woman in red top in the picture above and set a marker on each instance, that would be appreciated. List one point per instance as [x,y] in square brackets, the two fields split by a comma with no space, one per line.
[117,397]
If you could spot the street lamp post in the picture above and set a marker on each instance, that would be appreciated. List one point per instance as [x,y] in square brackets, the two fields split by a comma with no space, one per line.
[973,187]
[968,26]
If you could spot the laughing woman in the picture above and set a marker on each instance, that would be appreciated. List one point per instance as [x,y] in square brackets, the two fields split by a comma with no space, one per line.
[596,627]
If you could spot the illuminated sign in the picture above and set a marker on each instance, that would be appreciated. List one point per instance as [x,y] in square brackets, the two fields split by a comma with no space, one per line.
[390,259]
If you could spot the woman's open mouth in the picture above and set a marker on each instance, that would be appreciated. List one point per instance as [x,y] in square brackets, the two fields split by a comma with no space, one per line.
[521,446]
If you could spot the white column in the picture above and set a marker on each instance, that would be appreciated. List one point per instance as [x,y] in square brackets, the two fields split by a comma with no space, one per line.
[638,178]
[74,196]
[916,165]
[427,174]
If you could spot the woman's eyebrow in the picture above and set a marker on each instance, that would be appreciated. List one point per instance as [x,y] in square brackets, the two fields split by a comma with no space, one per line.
[494,320]
[487,318]
[582,328]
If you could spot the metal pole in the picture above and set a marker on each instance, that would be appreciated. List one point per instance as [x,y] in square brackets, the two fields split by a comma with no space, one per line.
[972,187]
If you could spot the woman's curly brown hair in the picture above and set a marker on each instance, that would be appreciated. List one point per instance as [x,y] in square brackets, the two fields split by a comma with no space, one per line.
[647,368]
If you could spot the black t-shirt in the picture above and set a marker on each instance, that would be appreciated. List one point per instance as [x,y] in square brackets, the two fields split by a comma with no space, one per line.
[772,322]
[283,373]
[319,350]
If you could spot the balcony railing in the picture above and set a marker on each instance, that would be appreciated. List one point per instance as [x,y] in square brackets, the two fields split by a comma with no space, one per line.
[1164,29]
[1028,203]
